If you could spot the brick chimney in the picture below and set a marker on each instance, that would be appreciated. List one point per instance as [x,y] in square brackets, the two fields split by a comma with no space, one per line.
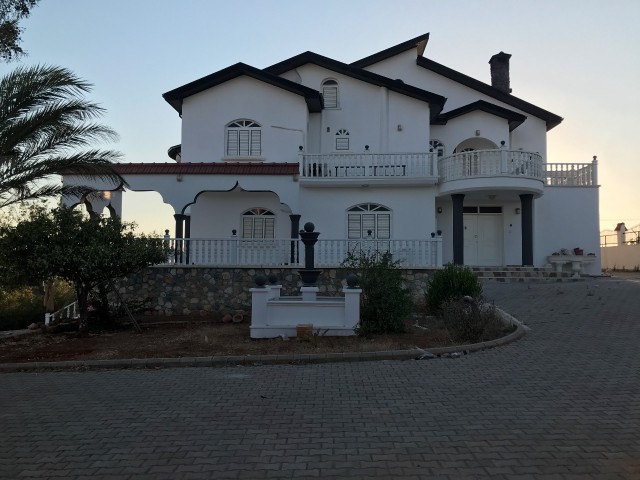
[500,71]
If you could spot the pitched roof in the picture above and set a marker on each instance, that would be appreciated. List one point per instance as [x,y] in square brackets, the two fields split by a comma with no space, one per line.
[551,119]
[515,119]
[207,168]
[391,51]
[176,96]
[436,102]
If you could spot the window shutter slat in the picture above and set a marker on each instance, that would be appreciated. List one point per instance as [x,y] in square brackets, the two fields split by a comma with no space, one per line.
[354,228]
[232,142]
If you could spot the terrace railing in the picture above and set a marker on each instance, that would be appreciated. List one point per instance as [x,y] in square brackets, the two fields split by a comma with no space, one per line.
[491,163]
[422,253]
[572,174]
[368,165]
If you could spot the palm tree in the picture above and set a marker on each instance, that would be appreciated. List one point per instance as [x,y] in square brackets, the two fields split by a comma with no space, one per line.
[47,129]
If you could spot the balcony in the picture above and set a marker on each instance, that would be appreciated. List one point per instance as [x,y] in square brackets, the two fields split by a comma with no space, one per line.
[369,168]
[237,252]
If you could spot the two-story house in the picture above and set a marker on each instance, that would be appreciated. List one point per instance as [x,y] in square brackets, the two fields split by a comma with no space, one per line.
[394,149]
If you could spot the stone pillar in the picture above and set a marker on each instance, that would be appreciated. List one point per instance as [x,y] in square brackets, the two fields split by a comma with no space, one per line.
[309,274]
[352,307]
[458,228]
[295,227]
[526,200]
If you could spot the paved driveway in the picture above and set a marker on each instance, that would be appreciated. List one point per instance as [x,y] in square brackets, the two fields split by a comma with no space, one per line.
[561,403]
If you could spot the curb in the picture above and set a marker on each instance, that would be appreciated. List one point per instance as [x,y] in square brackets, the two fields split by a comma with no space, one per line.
[257,360]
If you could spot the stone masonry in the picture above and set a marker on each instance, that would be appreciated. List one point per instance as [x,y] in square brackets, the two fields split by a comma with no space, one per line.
[206,291]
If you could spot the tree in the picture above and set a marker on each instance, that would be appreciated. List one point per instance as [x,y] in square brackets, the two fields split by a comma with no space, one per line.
[46,129]
[11,12]
[84,251]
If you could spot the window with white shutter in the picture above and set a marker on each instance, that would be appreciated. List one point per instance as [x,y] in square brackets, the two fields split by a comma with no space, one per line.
[369,217]
[330,94]
[243,139]
[342,139]
[258,223]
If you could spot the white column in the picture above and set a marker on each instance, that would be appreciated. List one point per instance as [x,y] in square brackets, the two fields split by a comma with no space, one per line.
[259,298]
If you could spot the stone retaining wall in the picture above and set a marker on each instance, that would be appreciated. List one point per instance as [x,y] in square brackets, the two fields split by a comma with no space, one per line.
[209,291]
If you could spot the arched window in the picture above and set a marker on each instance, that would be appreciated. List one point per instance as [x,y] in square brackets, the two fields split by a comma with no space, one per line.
[438,147]
[330,94]
[258,223]
[342,139]
[369,218]
[243,139]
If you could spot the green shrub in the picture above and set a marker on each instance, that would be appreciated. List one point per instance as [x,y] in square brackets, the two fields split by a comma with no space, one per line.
[22,306]
[471,320]
[449,283]
[384,303]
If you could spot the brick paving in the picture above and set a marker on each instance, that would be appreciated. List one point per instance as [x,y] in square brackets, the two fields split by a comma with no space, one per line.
[561,403]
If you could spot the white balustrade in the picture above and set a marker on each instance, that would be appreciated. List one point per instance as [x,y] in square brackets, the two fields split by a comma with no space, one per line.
[359,165]
[571,174]
[491,163]
[425,253]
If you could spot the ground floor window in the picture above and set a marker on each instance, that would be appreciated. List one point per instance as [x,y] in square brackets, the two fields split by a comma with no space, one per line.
[369,220]
[258,223]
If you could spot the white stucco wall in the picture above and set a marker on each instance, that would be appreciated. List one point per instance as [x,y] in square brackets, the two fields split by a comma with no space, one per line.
[215,215]
[528,136]
[283,116]
[370,113]
[413,209]
[619,257]
[566,217]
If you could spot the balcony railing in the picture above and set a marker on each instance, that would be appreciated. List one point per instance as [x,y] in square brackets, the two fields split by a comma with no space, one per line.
[491,163]
[572,174]
[224,252]
[368,165]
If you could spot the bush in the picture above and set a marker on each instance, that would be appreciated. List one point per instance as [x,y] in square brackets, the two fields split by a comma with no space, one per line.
[472,320]
[384,303]
[22,306]
[450,283]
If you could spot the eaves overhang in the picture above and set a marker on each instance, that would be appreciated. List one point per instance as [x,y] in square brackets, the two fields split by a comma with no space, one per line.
[514,119]
[550,119]
[176,96]
[436,102]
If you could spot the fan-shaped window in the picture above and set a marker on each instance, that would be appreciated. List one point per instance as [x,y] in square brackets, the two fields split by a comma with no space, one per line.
[258,223]
[342,139]
[243,139]
[438,147]
[330,94]
[369,220]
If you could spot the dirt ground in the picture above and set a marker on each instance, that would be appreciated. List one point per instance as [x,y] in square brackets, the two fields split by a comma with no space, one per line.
[198,338]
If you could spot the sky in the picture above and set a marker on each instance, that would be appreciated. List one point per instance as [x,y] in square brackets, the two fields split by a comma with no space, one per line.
[579,59]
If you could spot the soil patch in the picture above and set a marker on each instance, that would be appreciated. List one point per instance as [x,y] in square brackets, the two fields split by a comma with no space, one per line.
[184,338]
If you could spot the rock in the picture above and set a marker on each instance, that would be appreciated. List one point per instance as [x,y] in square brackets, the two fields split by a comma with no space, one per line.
[33,326]
[227,318]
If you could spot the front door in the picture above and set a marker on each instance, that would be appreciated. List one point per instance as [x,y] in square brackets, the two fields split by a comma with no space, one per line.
[483,236]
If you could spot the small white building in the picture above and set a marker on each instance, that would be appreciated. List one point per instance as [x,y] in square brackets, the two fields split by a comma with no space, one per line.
[393,149]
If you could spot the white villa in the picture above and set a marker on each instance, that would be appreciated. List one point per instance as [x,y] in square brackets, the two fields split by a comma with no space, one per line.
[394,151]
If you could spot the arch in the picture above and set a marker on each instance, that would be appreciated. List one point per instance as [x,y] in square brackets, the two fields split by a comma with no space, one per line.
[243,138]
[330,93]
[475,143]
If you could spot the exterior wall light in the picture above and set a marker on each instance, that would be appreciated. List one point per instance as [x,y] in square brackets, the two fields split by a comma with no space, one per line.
[439,209]
[477,133]
[399,127]
[517,211]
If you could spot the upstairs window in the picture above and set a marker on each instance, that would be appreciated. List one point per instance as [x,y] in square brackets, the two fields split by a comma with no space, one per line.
[438,147]
[258,223]
[369,217]
[330,93]
[244,139]
[342,139]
